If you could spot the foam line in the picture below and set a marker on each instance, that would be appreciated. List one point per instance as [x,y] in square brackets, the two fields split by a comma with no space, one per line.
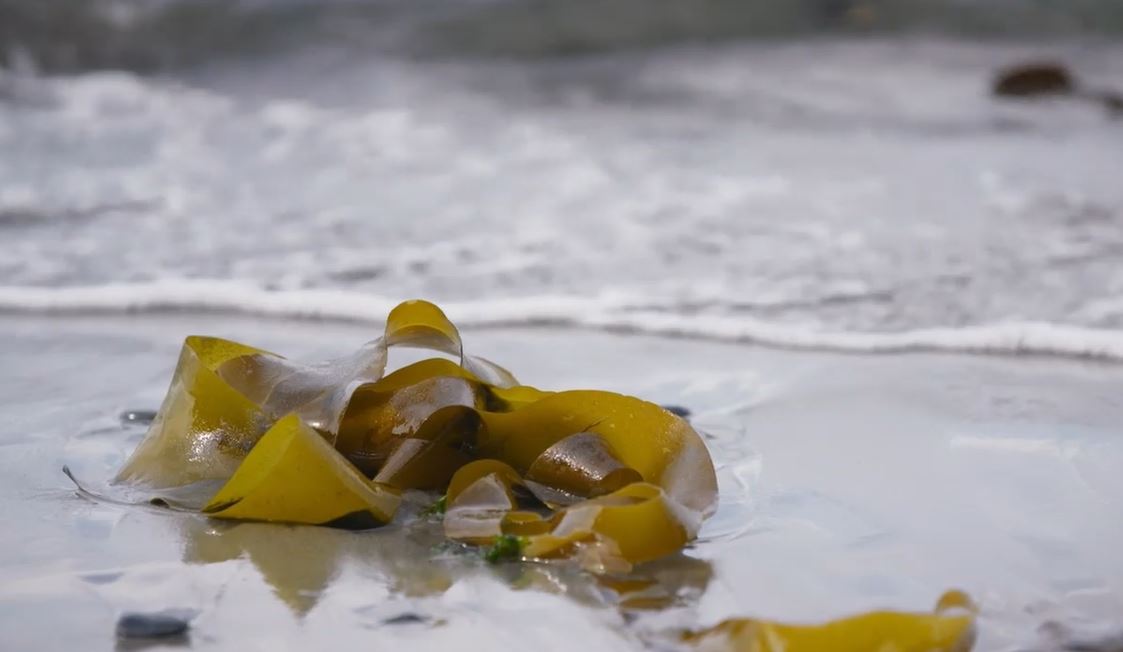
[608,312]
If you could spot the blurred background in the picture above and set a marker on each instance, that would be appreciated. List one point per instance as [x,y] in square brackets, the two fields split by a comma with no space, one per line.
[714,166]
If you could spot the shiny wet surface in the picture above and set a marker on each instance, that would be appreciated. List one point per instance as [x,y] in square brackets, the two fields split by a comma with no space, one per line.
[848,483]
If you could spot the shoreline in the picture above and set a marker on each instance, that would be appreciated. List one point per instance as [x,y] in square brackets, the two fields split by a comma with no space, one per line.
[609,313]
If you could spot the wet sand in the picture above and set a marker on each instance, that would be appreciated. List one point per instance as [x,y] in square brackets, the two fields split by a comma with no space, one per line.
[848,483]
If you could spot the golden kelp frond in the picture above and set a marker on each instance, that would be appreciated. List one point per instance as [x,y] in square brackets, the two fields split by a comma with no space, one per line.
[204,428]
[613,480]
[381,415]
[659,446]
[292,475]
[950,628]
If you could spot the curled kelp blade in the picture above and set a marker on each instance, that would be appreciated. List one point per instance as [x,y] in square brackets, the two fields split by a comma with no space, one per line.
[429,458]
[582,443]
[634,481]
[661,447]
[420,324]
[293,475]
[634,524]
[469,474]
[381,415]
[224,395]
[950,628]
[582,465]
[627,481]
[479,496]
[320,393]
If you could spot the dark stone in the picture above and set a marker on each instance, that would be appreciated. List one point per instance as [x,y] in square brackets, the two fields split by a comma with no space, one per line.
[1113,101]
[407,618]
[678,411]
[1034,79]
[153,625]
[139,417]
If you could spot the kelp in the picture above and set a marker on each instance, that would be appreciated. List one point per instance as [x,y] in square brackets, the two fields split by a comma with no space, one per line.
[607,479]
[293,475]
[599,478]
[950,628]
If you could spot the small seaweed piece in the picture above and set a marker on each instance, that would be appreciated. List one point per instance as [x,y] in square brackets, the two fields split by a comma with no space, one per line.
[506,547]
[437,507]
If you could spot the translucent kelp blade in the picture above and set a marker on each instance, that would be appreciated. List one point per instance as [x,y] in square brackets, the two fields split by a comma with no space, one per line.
[204,427]
[214,351]
[660,446]
[942,631]
[489,372]
[581,465]
[421,324]
[468,474]
[479,497]
[381,415]
[293,475]
[318,392]
[635,524]
[429,459]
[321,392]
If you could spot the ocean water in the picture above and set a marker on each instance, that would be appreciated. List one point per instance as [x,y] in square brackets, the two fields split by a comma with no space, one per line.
[828,190]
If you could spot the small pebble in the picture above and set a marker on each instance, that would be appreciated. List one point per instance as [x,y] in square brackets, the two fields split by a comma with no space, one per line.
[139,417]
[678,411]
[1034,80]
[407,618]
[153,625]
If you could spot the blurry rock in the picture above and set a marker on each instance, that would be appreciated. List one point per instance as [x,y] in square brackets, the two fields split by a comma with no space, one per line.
[1033,80]
[407,618]
[140,417]
[1113,101]
[678,411]
[1045,79]
[150,625]
[1059,636]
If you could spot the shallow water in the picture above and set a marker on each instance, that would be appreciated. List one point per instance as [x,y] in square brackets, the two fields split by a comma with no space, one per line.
[848,482]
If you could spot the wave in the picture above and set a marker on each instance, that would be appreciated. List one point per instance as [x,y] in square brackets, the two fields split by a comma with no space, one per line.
[608,312]
[157,34]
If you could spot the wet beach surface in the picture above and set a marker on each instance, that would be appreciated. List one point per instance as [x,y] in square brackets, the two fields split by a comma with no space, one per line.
[848,483]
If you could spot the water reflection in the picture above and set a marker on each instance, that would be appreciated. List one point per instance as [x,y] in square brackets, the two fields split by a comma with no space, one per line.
[300,564]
